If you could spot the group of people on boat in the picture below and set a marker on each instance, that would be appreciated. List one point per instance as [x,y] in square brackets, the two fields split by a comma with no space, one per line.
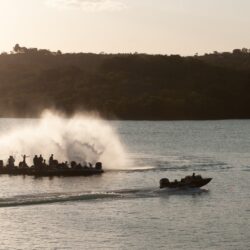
[40,163]
[190,178]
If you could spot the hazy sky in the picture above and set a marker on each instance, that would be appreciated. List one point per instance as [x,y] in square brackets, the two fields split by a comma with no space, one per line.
[150,26]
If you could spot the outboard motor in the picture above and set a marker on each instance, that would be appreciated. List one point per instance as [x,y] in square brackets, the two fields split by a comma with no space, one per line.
[98,165]
[164,182]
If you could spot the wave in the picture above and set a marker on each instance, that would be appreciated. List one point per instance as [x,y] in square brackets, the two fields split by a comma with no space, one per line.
[26,200]
[165,167]
[246,168]
[49,198]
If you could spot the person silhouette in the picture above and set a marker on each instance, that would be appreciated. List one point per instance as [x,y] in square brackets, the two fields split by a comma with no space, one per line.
[35,161]
[51,160]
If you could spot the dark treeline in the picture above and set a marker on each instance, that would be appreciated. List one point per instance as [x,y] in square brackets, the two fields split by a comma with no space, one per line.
[126,86]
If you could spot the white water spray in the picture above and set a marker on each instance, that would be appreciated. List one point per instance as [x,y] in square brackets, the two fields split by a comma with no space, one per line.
[81,138]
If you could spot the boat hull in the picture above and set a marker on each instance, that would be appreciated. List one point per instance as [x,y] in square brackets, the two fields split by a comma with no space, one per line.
[50,172]
[196,183]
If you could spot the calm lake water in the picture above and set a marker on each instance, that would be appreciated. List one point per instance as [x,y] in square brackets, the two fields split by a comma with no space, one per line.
[124,209]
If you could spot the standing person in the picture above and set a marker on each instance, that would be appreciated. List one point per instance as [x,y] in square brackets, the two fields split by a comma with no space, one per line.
[35,161]
[51,160]
[23,163]
[11,161]
[24,158]
[40,159]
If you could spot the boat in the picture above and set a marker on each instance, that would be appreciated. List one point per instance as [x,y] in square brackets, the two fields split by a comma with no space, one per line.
[55,170]
[194,181]
[65,172]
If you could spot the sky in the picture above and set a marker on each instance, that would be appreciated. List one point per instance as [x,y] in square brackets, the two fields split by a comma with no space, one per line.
[181,27]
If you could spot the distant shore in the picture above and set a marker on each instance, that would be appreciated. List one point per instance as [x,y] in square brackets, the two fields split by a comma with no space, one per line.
[126,86]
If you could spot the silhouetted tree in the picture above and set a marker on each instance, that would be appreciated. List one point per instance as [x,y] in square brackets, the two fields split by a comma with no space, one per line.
[237,51]
[16,48]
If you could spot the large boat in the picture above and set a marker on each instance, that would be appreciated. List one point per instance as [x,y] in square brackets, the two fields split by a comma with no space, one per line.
[55,170]
[194,181]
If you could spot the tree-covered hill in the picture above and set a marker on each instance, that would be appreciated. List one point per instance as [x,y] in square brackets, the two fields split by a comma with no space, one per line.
[126,86]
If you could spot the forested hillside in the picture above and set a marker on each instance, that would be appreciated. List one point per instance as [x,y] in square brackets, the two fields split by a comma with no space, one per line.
[126,86]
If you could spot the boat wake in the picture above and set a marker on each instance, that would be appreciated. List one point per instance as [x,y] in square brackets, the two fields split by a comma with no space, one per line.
[50,198]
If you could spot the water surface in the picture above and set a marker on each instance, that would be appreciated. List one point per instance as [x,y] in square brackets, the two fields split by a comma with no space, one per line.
[124,209]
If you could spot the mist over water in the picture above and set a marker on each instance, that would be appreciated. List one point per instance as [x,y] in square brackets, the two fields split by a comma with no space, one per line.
[82,138]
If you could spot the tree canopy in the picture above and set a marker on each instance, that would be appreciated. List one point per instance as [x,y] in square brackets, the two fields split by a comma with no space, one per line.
[126,86]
